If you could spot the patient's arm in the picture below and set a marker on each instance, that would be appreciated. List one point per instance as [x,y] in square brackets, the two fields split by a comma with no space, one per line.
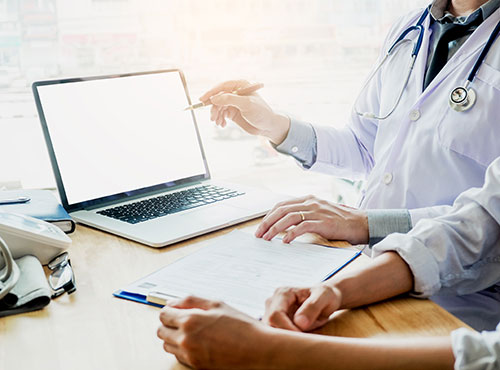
[206,334]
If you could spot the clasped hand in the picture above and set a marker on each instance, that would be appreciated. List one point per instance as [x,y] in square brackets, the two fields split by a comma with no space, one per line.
[210,334]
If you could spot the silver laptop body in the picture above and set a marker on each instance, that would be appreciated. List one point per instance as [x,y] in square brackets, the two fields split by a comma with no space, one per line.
[120,140]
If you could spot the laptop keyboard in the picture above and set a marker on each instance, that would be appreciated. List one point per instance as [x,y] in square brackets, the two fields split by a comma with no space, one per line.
[163,205]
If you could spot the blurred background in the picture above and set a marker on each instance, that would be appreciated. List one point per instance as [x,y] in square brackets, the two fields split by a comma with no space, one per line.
[312,56]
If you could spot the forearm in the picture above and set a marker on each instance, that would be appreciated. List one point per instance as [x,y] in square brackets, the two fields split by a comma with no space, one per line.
[384,277]
[289,350]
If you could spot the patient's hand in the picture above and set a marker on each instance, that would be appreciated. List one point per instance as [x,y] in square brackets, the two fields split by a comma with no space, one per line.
[207,334]
[302,309]
[312,215]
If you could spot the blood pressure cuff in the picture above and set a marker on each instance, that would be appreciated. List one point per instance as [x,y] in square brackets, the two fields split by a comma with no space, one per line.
[31,291]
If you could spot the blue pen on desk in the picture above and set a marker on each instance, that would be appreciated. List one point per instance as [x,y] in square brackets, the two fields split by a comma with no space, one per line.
[16,200]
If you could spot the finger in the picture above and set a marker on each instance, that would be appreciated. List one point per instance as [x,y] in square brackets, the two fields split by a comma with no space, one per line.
[290,219]
[279,311]
[272,217]
[222,117]
[263,227]
[177,352]
[307,226]
[318,306]
[242,103]
[283,321]
[282,305]
[171,349]
[168,335]
[227,86]
[214,111]
[193,302]
[218,119]
[170,316]
[294,201]
[231,113]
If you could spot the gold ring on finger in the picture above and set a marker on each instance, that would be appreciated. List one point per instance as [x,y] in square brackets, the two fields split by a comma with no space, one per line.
[302,216]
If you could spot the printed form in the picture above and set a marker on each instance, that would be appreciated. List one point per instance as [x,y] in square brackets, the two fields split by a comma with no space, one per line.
[244,271]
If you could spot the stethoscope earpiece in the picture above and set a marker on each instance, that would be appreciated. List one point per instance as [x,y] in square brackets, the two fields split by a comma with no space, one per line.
[462,99]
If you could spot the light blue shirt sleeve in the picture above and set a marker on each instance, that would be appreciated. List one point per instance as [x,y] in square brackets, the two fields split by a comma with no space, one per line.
[383,222]
[476,351]
[300,143]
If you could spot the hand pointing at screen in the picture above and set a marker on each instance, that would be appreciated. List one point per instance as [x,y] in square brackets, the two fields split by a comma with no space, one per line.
[249,112]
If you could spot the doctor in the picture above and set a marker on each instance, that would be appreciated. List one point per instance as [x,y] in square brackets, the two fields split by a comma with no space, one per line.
[419,136]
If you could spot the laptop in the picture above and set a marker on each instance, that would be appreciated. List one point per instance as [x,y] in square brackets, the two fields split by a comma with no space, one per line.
[129,160]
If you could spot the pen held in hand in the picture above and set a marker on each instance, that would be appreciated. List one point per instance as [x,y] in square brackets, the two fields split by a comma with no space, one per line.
[241,91]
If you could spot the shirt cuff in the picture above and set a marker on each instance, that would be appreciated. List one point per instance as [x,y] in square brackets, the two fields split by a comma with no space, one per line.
[300,143]
[382,222]
[475,350]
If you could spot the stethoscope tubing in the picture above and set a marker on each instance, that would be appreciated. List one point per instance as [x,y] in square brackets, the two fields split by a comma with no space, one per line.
[418,27]
[416,49]
[484,52]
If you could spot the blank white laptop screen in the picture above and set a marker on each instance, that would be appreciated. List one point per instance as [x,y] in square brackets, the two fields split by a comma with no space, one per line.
[115,135]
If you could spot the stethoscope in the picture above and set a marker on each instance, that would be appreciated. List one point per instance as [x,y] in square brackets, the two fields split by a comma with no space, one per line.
[461,99]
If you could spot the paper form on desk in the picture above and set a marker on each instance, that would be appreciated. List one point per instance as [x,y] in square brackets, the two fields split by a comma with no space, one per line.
[242,270]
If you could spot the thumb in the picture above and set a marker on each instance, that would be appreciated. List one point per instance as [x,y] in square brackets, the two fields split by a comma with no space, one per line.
[192,302]
[319,305]
[240,102]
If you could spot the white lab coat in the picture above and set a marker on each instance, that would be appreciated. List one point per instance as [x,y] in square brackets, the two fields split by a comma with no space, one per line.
[459,254]
[425,154]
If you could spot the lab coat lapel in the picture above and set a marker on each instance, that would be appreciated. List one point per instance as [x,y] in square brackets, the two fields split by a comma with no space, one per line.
[472,45]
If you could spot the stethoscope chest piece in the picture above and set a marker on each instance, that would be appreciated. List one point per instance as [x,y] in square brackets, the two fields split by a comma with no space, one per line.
[462,99]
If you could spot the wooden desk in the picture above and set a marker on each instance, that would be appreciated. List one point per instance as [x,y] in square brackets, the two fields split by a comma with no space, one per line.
[91,329]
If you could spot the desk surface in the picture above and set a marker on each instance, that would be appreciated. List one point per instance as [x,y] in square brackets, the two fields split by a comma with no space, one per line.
[93,330]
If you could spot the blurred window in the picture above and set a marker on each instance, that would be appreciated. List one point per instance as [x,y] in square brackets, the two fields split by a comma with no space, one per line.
[312,56]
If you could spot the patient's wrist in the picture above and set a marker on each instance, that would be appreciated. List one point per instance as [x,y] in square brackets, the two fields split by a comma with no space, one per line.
[344,289]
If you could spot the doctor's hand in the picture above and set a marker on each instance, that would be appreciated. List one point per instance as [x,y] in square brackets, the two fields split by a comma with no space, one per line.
[312,215]
[302,309]
[208,334]
[250,112]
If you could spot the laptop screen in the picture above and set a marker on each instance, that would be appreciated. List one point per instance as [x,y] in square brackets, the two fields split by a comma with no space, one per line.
[114,135]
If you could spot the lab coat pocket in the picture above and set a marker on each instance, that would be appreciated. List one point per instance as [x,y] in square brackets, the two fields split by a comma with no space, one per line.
[474,133]
[489,75]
